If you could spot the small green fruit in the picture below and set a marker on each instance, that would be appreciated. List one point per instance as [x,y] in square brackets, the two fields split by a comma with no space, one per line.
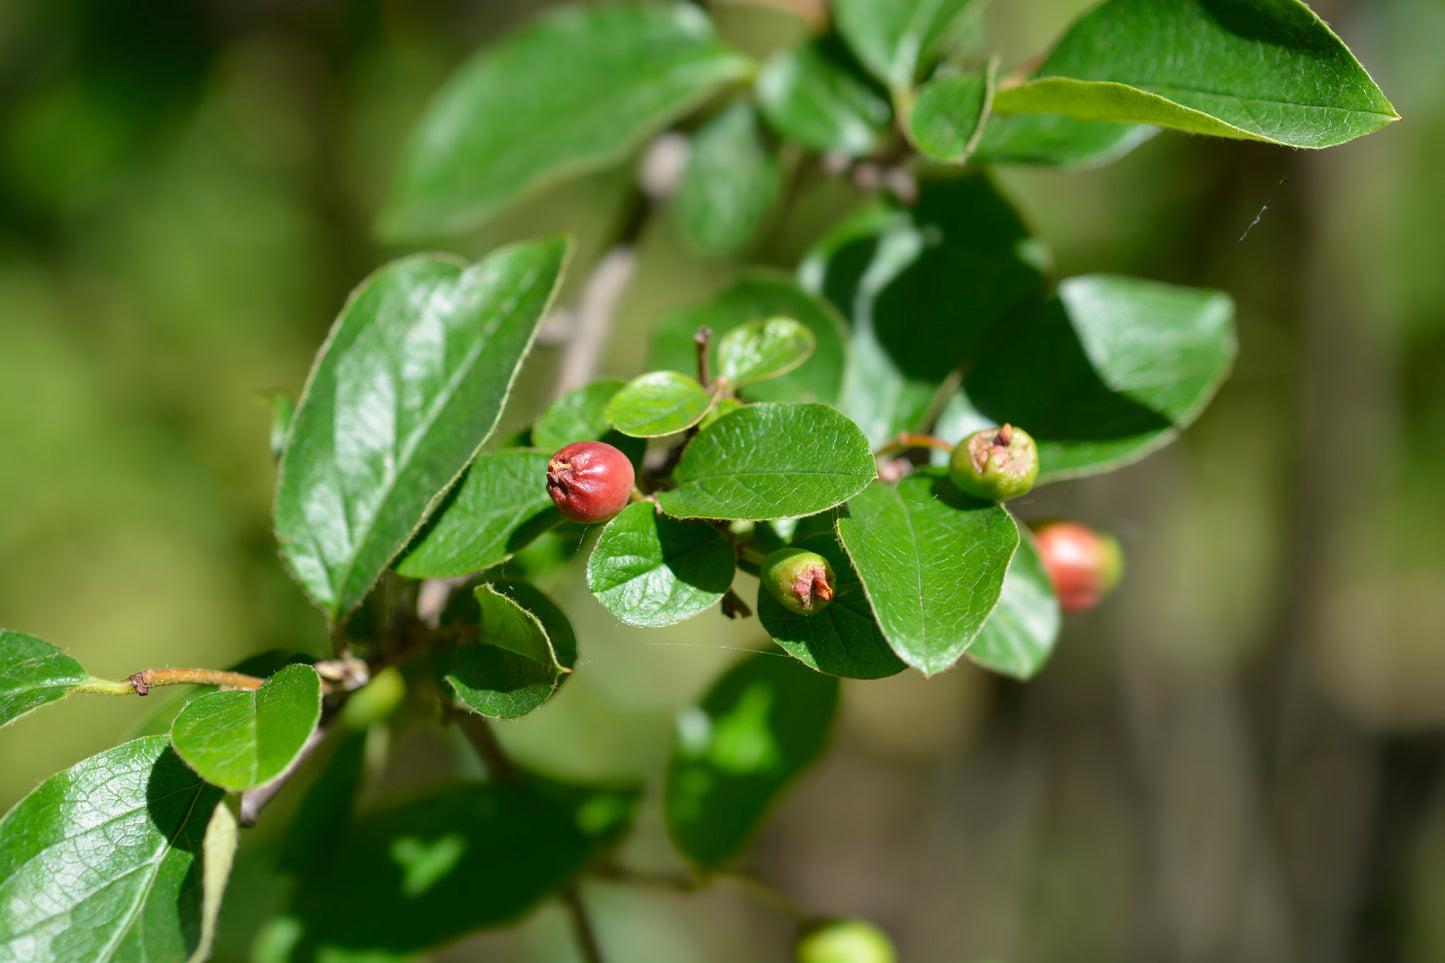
[995,464]
[844,941]
[803,581]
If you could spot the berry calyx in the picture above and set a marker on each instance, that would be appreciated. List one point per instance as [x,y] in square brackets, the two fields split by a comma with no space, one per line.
[803,581]
[844,941]
[1083,564]
[590,481]
[995,464]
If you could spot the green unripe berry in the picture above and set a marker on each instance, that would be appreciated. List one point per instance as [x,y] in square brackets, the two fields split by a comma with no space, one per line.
[844,941]
[995,464]
[803,581]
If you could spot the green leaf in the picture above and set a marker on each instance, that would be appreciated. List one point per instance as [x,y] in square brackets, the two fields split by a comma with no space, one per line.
[576,91]
[421,873]
[32,674]
[756,729]
[283,409]
[107,861]
[1019,636]
[811,94]
[658,403]
[218,856]
[240,740]
[932,563]
[525,648]
[924,290]
[1267,70]
[411,381]
[770,461]
[732,180]
[757,298]
[579,416]
[760,350]
[892,37]
[844,638]
[1114,369]
[948,114]
[498,508]
[648,569]
[1054,140]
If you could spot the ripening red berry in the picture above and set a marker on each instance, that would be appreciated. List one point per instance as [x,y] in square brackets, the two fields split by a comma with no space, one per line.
[1083,564]
[590,481]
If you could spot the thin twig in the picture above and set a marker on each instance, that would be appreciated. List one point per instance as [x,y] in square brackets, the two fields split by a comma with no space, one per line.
[484,743]
[582,926]
[255,800]
[148,679]
[703,340]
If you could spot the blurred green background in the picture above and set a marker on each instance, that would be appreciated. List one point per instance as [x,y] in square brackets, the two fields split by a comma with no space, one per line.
[1237,758]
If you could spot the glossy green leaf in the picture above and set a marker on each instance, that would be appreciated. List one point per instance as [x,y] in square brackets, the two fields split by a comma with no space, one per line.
[575,91]
[106,861]
[760,350]
[733,753]
[924,290]
[1019,636]
[757,298]
[498,508]
[240,740]
[948,114]
[892,37]
[812,94]
[525,647]
[32,674]
[770,461]
[932,563]
[1053,140]
[731,182]
[1116,367]
[648,569]
[658,403]
[422,873]
[843,639]
[409,384]
[579,415]
[1266,70]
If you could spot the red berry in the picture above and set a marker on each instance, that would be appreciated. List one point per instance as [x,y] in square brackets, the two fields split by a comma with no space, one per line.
[1083,564]
[590,481]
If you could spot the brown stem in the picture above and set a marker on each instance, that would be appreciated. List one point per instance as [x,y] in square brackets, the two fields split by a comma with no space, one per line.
[255,800]
[582,926]
[144,681]
[903,441]
[703,340]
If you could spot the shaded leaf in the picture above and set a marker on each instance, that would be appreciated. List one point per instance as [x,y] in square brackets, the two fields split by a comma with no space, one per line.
[932,563]
[421,873]
[732,180]
[1115,369]
[240,740]
[575,91]
[843,639]
[1054,140]
[948,114]
[498,508]
[32,674]
[579,416]
[1266,70]
[770,461]
[812,94]
[106,861]
[757,298]
[658,403]
[892,37]
[648,569]
[411,381]
[760,350]
[733,754]
[218,856]
[1019,636]
[524,648]
[924,290]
